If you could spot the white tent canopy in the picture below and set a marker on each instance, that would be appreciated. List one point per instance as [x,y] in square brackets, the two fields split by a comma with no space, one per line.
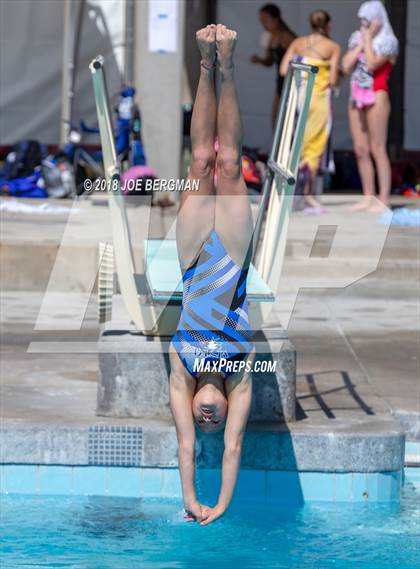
[32,34]
[31,52]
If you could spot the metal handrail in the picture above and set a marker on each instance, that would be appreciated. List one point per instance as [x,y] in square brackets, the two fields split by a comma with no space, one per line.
[286,172]
[123,252]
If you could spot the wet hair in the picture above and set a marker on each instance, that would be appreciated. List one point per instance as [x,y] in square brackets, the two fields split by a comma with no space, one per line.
[272,10]
[319,20]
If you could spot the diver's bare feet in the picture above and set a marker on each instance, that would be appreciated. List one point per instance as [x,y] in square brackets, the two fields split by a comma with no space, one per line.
[312,201]
[364,203]
[225,44]
[206,41]
[377,206]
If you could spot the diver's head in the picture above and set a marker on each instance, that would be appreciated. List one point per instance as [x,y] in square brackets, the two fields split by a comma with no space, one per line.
[320,22]
[209,404]
[371,11]
[270,17]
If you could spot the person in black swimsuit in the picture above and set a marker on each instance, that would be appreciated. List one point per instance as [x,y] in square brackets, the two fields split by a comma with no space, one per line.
[281,36]
[277,53]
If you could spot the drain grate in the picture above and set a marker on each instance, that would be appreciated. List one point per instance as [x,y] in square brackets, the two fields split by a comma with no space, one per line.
[115,445]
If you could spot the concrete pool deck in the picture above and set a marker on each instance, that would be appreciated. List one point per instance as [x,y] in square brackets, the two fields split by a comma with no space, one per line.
[357,367]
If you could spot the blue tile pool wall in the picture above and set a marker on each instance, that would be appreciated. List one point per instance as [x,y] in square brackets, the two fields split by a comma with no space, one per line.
[279,487]
[412,476]
[115,445]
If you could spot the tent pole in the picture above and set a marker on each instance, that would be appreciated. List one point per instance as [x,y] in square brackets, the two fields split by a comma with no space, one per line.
[72,24]
[66,94]
[129,42]
[80,7]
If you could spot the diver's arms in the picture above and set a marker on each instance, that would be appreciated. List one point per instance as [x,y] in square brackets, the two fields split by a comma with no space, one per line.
[181,393]
[239,400]
[267,60]
[350,58]
[334,63]
[239,404]
[287,58]
[373,60]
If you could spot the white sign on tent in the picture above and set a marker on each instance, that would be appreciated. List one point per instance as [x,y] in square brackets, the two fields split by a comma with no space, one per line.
[163,26]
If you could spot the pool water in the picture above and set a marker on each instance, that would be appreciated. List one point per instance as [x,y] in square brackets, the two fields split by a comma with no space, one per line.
[120,533]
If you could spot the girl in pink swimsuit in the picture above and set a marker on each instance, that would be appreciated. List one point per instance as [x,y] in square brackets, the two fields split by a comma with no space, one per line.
[370,58]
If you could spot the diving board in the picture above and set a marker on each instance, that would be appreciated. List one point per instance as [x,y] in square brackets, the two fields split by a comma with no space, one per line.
[165,280]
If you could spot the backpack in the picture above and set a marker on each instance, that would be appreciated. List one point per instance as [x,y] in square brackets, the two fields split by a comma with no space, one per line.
[23,159]
[58,176]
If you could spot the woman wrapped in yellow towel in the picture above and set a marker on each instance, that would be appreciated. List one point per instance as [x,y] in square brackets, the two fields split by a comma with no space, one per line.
[319,50]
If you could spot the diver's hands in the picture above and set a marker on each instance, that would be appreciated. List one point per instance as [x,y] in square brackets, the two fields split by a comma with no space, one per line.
[194,511]
[211,514]
[374,27]
[366,36]
[369,33]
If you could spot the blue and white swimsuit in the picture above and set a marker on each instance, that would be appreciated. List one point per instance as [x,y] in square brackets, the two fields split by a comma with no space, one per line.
[214,324]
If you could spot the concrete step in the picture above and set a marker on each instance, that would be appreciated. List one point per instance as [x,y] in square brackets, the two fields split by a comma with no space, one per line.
[32,245]
[134,373]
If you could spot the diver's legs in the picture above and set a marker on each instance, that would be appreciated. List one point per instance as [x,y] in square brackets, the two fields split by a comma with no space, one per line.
[196,211]
[377,118]
[275,110]
[233,221]
[361,146]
